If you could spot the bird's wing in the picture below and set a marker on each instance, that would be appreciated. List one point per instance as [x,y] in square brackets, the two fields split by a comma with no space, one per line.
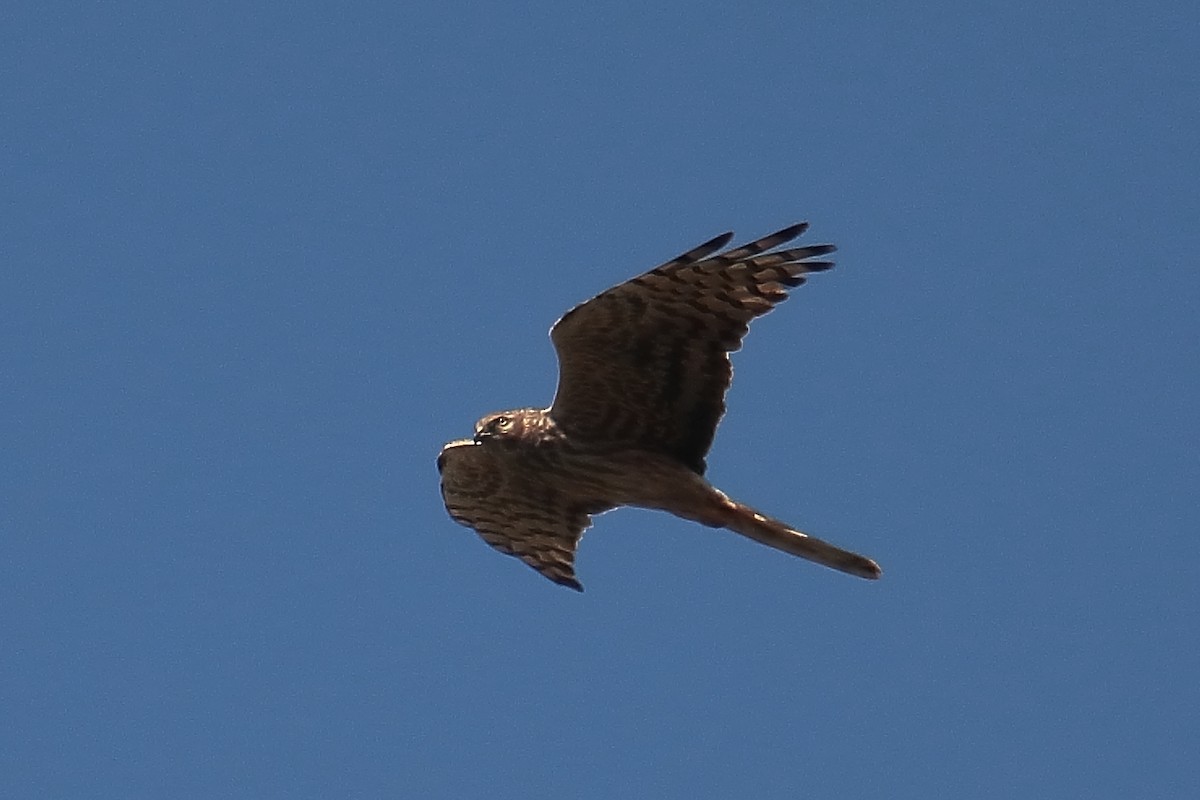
[515,515]
[645,364]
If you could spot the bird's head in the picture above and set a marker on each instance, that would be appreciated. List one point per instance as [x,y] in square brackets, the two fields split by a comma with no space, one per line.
[503,426]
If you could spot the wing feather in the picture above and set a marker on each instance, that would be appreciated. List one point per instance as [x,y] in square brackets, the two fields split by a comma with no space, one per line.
[645,364]
[532,523]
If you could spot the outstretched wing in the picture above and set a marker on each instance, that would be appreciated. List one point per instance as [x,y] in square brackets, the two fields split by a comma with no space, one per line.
[530,521]
[645,364]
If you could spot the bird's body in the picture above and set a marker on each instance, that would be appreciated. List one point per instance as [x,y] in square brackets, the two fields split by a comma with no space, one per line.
[643,374]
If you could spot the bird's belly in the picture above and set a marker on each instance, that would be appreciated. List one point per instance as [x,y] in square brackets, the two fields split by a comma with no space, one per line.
[638,478]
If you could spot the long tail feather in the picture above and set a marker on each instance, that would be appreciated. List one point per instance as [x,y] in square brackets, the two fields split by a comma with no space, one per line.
[773,533]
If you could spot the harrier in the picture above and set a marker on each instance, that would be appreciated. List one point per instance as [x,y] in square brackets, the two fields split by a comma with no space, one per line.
[643,371]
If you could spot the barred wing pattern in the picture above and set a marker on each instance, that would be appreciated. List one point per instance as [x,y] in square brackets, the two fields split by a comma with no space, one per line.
[645,364]
[514,515]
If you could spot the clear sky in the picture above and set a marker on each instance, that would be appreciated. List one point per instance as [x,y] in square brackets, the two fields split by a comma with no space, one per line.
[258,262]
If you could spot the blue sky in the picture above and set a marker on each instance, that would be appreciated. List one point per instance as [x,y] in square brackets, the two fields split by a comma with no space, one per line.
[261,261]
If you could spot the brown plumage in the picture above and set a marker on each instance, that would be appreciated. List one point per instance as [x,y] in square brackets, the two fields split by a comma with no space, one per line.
[643,372]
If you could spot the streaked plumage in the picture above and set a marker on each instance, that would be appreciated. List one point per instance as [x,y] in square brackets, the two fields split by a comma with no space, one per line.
[643,372]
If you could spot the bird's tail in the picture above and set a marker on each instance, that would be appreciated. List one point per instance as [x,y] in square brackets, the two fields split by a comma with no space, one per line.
[773,533]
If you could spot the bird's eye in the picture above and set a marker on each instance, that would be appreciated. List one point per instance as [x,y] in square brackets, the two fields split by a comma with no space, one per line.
[503,423]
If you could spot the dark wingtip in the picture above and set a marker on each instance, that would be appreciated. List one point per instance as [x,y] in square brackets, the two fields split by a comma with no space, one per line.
[561,573]
[792,231]
[816,266]
[717,242]
[569,582]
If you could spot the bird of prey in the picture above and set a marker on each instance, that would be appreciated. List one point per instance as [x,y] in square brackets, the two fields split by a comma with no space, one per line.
[643,371]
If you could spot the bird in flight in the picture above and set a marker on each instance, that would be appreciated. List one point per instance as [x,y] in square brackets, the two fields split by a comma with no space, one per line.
[643,372]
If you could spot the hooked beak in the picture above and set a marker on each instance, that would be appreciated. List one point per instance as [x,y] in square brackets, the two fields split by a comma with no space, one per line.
[480,436]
